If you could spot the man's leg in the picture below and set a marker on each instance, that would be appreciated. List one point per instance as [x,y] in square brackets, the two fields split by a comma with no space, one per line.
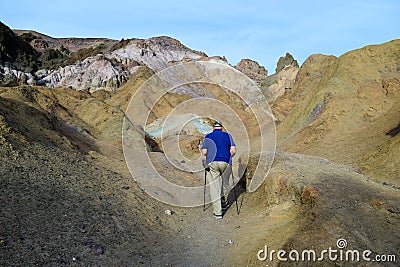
[225,189]
[226,175]
[215,187]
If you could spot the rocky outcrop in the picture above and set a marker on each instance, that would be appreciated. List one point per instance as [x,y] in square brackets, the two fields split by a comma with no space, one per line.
[287,60]
[12,77]
[341,108]
[42,42]
[15,52]
[99,63]
[157,53]
[98,72]
[111,70]
[277,84]
[93,63]
[252,69]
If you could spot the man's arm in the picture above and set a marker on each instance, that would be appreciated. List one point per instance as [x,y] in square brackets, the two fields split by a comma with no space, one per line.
[232,151]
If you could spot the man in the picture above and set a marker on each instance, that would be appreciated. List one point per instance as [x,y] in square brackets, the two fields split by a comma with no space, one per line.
[219,148]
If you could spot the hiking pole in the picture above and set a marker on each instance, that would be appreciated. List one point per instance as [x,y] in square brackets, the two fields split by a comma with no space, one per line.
[204,191]
[234,191]
[206,168]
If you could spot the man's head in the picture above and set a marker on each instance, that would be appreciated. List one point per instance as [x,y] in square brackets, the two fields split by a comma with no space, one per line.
[217,125]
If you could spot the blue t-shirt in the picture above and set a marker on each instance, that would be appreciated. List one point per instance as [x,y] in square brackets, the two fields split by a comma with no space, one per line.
[218,145]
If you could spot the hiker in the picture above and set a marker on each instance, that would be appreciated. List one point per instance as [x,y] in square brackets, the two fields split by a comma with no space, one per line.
[219,148]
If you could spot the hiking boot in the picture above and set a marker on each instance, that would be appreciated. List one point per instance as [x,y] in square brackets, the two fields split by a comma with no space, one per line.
[217,217]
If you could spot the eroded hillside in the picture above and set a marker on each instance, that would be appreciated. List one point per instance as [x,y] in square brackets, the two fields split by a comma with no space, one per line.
[347,109]
[68,197]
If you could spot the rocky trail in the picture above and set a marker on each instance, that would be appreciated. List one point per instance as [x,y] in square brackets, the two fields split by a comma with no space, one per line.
[305,203]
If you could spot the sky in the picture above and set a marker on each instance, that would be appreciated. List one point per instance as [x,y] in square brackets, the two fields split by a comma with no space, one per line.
[259,30]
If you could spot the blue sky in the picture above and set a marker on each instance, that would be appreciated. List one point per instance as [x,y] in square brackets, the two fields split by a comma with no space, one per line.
[259,30]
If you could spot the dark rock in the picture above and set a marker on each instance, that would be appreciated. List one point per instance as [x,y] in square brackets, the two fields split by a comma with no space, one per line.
[95,247]
[8,80]
[15,52]
[287,60]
